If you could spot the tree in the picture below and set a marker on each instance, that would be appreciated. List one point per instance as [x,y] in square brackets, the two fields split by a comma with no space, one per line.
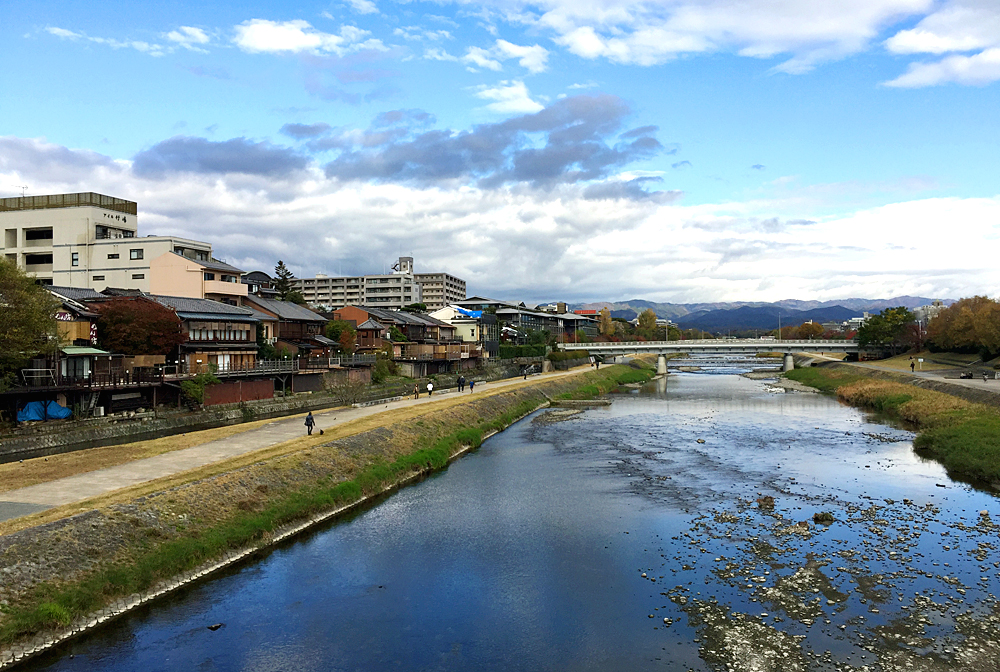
[607,327]
[134,325]
[971,325]
[809,330]
[647,322]
[415,308]
[295,296]
[28,325]
[396,335]
[886,329]
[343,333]
[264,349]
[283,281]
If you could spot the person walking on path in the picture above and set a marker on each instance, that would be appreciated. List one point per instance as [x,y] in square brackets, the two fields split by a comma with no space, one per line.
[310,422]
[430,388]
[461,383]
[416,391]
[472,384]
[912,366]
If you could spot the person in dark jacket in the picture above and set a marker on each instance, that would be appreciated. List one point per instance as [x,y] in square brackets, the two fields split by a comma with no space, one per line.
[310,423]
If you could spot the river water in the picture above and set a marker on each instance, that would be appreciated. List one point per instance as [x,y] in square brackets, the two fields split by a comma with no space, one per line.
[638,536]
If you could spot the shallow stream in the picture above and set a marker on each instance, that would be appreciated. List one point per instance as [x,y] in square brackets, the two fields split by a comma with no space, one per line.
[671,530]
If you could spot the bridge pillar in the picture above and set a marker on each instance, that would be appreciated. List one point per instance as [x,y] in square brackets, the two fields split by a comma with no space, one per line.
[789,362]
[661,365]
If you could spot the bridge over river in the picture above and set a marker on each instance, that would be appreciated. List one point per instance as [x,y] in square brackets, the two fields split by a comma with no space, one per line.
[715,346]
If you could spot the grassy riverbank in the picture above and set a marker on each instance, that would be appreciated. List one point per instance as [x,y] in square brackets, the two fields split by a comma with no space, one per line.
[961,435]
[126,548]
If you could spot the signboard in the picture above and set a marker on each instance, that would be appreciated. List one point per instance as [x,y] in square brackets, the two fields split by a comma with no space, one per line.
[93,333]
[63,316]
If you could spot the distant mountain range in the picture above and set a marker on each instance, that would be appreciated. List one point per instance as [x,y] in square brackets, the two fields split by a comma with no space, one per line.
[722,316]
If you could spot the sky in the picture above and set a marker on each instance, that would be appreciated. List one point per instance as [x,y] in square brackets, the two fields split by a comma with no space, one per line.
[577,150]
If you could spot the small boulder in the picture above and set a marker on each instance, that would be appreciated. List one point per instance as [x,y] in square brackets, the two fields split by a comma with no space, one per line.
[823,518]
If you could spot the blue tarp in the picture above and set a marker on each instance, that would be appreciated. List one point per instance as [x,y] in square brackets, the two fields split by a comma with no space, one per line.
[43,410]
[470,313]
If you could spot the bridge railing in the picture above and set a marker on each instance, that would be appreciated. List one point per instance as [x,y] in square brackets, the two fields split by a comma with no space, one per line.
[713,342]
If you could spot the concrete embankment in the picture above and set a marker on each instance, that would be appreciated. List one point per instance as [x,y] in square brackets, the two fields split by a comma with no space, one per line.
[68,575]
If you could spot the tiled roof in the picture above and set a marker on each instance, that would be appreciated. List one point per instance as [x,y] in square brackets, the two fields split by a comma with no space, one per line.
[370,324]
[286,310]
[76,293]
[189,308]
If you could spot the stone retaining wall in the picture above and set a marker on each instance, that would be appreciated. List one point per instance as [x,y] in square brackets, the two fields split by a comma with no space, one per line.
[93,433]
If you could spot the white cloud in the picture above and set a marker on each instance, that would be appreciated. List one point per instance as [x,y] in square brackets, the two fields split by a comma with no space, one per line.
[978,69]
[188,37]
[145,47]
[416,33]
[534,58]
[957,26]
[482,58]
[963,25]
[435,54]
[363,6]
[63,33]
[263,36]
[549,242]
[510,97]
[648,32]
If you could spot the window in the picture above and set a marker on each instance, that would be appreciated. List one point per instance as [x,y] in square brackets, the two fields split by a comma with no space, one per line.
[113,256]
[138,276]
[38,234]
[210,276]
[98,278]
[135,254]
[33,259]
[75,259]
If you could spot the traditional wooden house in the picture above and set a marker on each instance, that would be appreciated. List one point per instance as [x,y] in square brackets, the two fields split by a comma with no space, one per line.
[298,331]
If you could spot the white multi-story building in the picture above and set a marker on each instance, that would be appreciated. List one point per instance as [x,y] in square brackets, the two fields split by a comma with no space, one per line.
[388,290]
[85,240]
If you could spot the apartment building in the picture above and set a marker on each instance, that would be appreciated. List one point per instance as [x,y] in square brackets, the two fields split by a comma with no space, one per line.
[439,289]
[85,240]
[387,290]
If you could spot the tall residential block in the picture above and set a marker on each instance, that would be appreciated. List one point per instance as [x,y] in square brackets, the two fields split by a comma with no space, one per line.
[387,290]
[85,240]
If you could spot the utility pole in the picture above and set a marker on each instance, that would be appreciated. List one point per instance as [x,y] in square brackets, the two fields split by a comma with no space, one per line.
[23,188]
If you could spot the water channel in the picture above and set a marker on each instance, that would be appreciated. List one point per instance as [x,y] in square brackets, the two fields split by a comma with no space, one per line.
[638,536]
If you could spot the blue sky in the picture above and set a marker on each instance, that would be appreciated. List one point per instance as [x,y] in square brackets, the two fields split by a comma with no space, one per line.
[676,150]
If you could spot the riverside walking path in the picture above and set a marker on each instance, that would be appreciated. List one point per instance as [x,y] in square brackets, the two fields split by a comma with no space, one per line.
[84,486]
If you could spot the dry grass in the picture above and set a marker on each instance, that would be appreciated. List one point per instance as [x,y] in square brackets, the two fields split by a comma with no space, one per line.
[911,404]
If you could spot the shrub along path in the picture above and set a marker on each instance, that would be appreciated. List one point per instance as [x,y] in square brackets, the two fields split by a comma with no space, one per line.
[88,483]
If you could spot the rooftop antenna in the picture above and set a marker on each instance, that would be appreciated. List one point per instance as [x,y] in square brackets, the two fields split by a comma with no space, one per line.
[23,188]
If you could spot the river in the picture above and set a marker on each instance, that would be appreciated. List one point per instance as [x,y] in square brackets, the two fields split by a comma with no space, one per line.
[638,536]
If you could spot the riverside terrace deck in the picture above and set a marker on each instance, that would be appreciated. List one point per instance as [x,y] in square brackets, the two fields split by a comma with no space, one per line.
[715,346]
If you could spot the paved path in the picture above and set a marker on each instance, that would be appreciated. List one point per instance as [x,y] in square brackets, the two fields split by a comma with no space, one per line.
[17,503]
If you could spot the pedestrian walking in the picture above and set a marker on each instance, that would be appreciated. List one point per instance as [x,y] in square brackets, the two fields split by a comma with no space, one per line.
[912,367]
[416,391]
[461,383]
[472,384]
[984,377]
[430,389]
[310,423]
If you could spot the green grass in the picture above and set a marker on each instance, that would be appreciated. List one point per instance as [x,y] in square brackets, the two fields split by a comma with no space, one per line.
[970,448]
[962,436]
[823,379]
